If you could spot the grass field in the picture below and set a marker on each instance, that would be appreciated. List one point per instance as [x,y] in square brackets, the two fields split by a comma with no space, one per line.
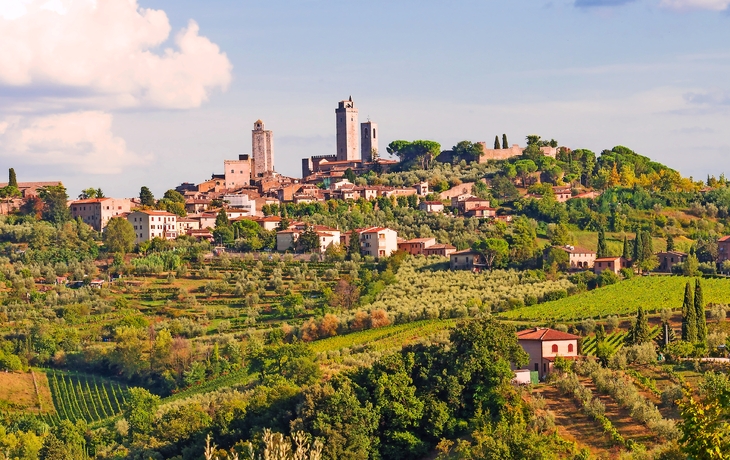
[651,292]
[18,392]
[384,337]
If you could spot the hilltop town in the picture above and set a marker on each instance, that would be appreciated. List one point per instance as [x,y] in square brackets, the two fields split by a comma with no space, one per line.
[373,308]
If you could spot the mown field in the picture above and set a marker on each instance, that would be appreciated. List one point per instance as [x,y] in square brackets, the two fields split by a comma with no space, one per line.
[651,292]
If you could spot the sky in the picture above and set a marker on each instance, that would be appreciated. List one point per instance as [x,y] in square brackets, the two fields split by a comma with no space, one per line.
[117,94]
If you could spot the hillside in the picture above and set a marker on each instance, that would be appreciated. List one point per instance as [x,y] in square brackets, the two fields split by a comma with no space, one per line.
[653,293]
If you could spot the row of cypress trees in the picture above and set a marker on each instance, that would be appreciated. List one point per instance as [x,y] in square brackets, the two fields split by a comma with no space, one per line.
[694,322]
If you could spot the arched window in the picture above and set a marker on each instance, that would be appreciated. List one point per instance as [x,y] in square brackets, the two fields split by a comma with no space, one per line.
[570,348]
[555,348]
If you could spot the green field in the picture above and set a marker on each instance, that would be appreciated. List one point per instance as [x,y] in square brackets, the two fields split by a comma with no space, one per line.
[651,292]
[384,337]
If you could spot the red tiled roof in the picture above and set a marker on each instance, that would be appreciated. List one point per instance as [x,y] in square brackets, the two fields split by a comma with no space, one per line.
[464,251]
[441,246]
[608,259]
[576,250]
[155,213]
[543,334]
[90,200]
[724,238]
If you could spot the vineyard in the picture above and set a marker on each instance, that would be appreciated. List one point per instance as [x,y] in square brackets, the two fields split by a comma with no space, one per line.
[84,397]
[614,340]
[651,292]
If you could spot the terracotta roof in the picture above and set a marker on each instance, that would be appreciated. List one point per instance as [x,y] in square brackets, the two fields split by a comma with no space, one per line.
[155,213]
[441,246]
[464,251]
[674,253]
[608,259]
[90,200]
[543,334]
[725,238]
[419,240]
[474,198]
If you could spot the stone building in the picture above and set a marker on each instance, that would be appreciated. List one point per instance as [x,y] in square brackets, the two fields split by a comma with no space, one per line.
[96,212]
[237,172]
[262,148]
[368,141]
[347,144]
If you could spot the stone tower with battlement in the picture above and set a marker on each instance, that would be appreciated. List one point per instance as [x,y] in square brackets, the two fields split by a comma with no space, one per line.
[262,148]
[368,141]
[347,131]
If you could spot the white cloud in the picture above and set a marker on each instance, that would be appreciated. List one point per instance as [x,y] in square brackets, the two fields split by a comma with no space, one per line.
[110,50]
[713,5]
[79,142]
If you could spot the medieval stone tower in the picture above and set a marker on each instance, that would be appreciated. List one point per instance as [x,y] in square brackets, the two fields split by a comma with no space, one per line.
[262,148]
[347,132]
[368,141]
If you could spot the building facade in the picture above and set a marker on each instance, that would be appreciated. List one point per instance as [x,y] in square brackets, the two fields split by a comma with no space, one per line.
[97,212]
[237,172]
[614,264]
[416,246]
[544,345]
[378,242]
[368,141]
[153,224]
[262,149]
[668,259]
[347,118]
[723,249]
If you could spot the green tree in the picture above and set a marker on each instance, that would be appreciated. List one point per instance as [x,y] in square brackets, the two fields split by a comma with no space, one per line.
[637,249]
[524,169]
[12,179]
[417,153]
[496,143]
[494,250]
[146,198]
[349,175]
[522,240]
[699,305]
[559,234]
[91,193]
[690,266]
[504,141]
[670,242]
[689,316]
[221,220]
[469,151]
[140,410]
[602,248]
[55,208]
[626,251]
[639,333]
[308,240]
[119,235]
[53,449]
[353,245]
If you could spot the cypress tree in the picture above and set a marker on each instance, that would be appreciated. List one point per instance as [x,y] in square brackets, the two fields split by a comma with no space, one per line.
[12,179]
[700,311]
[496,143]
[689,316]
[627,252]
[602,249]
[600,334]
[504,141]
[647,246]
[640,332]
[636,256]
[670,242]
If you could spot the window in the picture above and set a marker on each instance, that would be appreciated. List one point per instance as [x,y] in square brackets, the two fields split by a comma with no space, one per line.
[537,367]
[373,133]
[555,349]
[232,171]
[570,348]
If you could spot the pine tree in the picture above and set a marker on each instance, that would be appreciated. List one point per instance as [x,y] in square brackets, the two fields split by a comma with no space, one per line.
[670,242]
[504,141]
[496,143]
[626,252]
[12,179]
[146,198]
[700,311]
[221,220]
[636,256]
[602,249]
[689,316]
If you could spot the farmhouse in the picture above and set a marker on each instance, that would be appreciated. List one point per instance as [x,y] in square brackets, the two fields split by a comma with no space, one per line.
[544,345]
[669,259]
[615,264]
[579,258]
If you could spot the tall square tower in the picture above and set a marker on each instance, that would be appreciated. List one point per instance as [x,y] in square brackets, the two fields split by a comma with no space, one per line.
[369,141]
[347,144]
[262,148]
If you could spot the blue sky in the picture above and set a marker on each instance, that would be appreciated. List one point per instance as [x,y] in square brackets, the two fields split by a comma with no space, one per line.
[653,75]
